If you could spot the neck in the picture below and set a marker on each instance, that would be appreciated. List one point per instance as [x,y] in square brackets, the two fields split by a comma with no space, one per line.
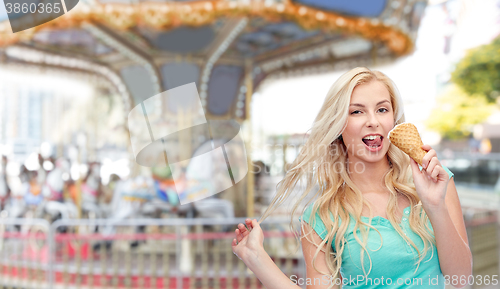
[369,177]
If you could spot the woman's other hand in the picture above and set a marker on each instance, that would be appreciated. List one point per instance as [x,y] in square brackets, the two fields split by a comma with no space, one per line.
[431,182]
[248,245]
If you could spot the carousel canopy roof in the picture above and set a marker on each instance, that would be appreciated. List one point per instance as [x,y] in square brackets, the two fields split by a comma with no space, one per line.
[144,48]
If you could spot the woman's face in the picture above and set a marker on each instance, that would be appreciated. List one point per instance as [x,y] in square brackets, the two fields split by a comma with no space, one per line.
[369,121]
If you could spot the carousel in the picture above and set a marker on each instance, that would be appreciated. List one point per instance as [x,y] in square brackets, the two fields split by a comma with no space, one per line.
[138,49]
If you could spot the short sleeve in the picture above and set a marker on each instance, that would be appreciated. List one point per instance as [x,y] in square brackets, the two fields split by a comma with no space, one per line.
[445,168]
[448,171]
[314,221]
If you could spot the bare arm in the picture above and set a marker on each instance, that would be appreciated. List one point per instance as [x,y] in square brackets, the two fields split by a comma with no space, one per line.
[248,246]
[454,253]
[440,200]
[309,249]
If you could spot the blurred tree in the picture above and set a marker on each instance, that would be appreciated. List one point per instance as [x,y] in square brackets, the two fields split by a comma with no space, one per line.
[478,73]
[456,113]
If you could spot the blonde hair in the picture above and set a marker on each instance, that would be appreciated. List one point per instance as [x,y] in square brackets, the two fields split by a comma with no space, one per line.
[322,161]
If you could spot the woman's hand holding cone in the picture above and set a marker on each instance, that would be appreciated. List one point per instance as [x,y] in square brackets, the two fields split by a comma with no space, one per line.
[431,182]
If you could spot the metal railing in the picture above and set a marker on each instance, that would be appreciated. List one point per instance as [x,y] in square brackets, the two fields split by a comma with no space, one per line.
[24,253]
[170,253]
[147,253]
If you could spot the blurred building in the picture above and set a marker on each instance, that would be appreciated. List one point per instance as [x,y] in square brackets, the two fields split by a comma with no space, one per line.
[22,118]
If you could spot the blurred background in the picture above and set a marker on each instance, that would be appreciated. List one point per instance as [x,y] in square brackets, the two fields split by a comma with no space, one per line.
[78,211]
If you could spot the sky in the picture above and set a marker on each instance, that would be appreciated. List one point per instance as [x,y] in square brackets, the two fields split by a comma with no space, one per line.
[416,76]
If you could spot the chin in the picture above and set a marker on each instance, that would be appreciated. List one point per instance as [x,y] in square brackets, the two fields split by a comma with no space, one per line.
[374,158]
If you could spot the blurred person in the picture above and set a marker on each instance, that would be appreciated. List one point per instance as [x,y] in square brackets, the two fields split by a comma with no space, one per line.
[71,190]
[15,205]
[32,193]
[418,230]
[4,184]
[41,172]
[259,170]
[129,196]
[108,190]
[91,190]
[91,185]
[54,183]
[23,174]
[56,205]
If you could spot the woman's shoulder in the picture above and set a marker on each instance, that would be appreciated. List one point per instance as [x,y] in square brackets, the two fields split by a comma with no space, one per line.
[314,220]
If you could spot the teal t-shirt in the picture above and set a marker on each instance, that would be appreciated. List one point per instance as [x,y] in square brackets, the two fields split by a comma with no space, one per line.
[393,263]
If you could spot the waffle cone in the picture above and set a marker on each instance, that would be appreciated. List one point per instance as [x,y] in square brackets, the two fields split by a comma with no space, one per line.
[406,137]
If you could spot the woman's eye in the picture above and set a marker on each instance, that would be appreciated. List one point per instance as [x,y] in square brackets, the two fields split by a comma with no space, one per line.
[382,109]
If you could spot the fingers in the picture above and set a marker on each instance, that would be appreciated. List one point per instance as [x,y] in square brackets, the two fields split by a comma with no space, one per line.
[428,156]
[426,147]
[255,223]
[435,171]
[414,166]
[248,222]
[432,164]
[239,236]
[438,173]
[242,231]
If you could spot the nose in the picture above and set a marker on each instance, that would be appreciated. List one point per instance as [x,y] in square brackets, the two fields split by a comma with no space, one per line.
[372,120]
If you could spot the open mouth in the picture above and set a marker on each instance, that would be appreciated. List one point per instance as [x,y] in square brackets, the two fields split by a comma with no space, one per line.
[373,141]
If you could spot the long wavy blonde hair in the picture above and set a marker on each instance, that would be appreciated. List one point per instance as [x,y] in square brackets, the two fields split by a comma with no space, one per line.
[322,163]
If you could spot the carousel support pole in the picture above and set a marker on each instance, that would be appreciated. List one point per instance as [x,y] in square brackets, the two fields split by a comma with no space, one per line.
[248,100]
[128,101]
[285,147]
[135,169]
[374,53]
[79,189]
[79,198]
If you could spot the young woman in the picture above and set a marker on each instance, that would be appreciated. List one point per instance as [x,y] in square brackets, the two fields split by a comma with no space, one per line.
[377,220]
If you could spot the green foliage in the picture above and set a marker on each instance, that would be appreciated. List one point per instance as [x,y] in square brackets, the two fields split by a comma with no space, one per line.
[457,112]
[478,73]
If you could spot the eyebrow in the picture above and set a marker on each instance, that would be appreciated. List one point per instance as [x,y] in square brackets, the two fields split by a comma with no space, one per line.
[360,105]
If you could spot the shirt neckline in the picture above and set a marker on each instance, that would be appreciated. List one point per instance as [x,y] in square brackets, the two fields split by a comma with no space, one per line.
[407,209]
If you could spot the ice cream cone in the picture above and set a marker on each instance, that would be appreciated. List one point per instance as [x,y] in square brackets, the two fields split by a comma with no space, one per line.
[406,137]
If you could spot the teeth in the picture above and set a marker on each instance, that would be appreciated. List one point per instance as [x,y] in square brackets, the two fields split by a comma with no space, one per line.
[371,137]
